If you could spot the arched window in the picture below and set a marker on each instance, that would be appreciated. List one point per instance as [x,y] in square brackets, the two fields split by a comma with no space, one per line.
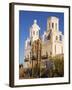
[56,37]
[60,37]
[52,25]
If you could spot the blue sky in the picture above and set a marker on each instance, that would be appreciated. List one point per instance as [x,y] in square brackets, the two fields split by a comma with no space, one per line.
[26,19]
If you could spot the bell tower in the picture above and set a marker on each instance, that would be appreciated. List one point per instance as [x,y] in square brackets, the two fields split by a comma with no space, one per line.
[53,24]
[34,31]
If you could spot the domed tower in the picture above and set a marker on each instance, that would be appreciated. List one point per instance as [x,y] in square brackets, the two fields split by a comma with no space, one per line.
[34,31]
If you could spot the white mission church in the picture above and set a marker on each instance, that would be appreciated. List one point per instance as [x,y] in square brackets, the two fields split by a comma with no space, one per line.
[52,38]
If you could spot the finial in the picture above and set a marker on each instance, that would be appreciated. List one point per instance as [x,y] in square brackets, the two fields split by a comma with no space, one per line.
[35,21]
